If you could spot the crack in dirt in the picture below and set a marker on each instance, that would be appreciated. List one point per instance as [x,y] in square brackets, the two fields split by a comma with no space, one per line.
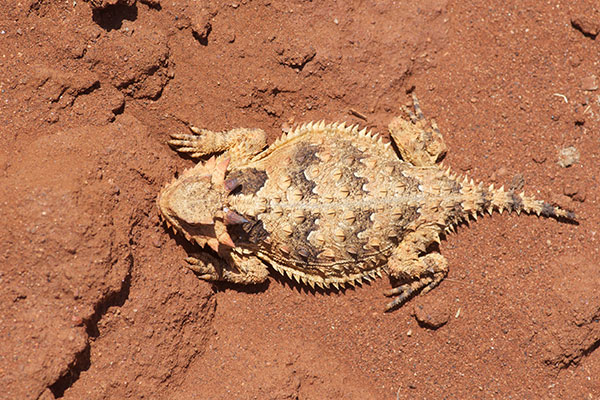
[82,360]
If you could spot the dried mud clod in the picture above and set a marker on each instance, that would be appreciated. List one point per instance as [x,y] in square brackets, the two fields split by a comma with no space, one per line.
[103,4]
[328,205]
[588,25]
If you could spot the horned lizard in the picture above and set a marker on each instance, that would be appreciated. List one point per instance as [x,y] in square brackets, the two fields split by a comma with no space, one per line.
[328,204]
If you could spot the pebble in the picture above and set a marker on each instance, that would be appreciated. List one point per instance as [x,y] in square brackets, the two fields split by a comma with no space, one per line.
[431,317]
[575,190]
[575,61]
[76,320]
[201,26]
[568,156]
[589,83]
[586,24]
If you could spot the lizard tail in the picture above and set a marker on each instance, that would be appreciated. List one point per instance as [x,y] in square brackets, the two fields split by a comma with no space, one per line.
[479,199]
[519,202]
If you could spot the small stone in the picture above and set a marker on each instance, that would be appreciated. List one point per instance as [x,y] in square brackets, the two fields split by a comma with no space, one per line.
[47,395]
[559,199]
[201,26]
[579,115]
[498,174]
[568,156]
[295,54]
[589,83]
[575,191]
[589,25]
[579,196]
[151,3]
[570,190]
[229,35]
[103,4]
[575,61]
[76,320]
[148,332]
[431,317]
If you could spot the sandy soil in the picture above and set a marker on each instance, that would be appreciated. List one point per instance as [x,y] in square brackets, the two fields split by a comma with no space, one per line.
[96,302]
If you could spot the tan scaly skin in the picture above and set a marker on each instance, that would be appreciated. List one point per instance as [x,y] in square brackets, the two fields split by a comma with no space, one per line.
[327,205]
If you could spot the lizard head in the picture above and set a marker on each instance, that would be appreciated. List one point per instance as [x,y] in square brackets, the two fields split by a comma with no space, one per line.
[195,204]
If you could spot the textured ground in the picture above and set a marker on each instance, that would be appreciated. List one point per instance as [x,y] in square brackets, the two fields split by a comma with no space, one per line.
[95,301]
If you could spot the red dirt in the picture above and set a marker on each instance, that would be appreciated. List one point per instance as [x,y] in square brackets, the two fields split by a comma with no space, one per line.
[96,302]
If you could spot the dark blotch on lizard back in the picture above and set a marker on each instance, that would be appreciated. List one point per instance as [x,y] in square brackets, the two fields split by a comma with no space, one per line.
[250,180]
[304,156]
[361,224]
[516,202]
[455,187]
[252,232]
[303,252]
[350,162]
[547,210]
[486,199]
[400,226]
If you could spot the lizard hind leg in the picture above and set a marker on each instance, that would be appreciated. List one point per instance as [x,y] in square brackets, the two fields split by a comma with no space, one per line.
[235,269]
[426,273]
[420,143]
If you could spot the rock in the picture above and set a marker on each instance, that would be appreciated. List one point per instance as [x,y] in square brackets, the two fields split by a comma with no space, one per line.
[575,61]
[568,156]
[200,16]
[559,199]
[575,190]
[589,83]
[102,4]
[431,316]
[47,395]
[201,26]
[295,55]
[589,25]
[151,3]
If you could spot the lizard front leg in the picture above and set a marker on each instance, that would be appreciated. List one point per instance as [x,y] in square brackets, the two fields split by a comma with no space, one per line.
[239,144]
[420,143]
